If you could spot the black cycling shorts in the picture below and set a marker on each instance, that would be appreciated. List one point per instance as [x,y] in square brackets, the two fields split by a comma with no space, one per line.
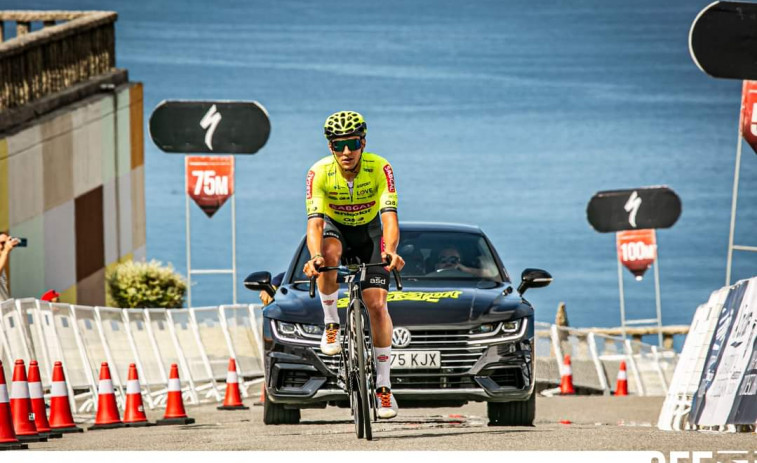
[361,244]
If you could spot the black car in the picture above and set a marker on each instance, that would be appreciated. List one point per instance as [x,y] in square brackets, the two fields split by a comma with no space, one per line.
[462,332]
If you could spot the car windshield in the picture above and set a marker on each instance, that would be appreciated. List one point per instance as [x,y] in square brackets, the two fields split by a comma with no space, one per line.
[438,255]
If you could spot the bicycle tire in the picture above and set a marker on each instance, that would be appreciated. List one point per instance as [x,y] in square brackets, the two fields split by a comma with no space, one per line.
[362,375]
[352,370]
[371,372]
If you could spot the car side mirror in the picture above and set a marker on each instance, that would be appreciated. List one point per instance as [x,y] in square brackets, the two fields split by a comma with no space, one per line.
[259,281]
[533,278]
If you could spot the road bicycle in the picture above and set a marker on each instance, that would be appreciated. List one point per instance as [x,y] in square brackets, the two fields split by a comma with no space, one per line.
[357,367]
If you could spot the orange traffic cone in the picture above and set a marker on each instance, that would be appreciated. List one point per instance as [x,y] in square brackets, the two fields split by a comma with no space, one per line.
[232,400]
[107,410]
[8,440]
[566,380]
[36,396]
[621,387]
[134,415]
[175,413]
[261,401]
[21,407]
[61,419]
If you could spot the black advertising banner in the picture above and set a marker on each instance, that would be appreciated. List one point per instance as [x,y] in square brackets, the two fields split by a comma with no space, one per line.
[714,380]
[744,408]
[640,208]
[212,127]
[723,40]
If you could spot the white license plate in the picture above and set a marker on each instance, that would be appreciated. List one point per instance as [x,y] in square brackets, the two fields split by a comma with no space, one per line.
[416,359]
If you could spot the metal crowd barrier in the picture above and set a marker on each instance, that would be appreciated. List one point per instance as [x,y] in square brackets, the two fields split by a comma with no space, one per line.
[200,340]
[595,360]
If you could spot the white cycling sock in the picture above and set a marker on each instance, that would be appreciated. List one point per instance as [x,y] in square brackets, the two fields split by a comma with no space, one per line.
[383,365]
[328,302]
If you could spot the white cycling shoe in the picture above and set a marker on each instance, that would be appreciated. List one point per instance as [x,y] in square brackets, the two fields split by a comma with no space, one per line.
[386,404]
[330,340]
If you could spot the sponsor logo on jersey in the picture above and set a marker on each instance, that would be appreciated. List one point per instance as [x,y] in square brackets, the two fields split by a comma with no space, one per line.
[352,207]
[389,178]
[309,184]
[378,281]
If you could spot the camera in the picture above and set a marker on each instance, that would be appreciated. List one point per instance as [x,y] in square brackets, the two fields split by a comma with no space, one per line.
[21,242]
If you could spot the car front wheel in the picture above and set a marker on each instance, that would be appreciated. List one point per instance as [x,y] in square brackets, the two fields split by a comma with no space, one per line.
[277,414]
[520,413]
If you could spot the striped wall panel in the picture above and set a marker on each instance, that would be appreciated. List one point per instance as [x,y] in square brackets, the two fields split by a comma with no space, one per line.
[72,183]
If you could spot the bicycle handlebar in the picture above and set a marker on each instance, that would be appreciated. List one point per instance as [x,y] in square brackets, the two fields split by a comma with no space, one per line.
[397,278]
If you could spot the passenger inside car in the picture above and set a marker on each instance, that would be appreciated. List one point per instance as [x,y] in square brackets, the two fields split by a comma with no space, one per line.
[451,259]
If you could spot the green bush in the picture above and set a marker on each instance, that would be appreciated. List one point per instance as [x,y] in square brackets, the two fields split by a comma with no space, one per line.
[145,285]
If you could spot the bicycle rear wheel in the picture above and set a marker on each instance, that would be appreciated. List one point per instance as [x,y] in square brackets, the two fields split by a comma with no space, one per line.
[362,369]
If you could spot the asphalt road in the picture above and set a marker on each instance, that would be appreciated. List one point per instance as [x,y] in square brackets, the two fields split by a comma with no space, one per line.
[596,423]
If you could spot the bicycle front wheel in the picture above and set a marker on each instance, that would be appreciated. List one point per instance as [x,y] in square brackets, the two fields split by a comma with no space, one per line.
[362,369]
[353,383]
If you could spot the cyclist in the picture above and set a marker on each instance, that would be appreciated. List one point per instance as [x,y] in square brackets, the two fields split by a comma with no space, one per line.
[349,196]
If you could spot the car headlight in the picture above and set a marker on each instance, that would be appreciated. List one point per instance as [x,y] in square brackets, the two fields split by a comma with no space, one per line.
[313,330]
[300,333]
[504,332]
[511,326]
[485,328]
[287,329]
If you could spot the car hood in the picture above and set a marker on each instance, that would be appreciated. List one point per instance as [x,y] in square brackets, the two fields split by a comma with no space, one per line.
[419,304]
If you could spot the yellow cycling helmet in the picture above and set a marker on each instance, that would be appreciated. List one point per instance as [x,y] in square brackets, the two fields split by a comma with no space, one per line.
[344,124]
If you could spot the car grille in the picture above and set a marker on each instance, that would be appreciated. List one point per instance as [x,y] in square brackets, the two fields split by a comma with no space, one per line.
[457,355]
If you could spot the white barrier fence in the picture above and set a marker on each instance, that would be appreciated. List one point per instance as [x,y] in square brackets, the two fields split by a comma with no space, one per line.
[199,340]
[715,383]
[595,360]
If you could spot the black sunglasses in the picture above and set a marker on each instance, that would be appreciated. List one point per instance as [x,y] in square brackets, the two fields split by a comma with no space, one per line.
[449,260]
[353,144]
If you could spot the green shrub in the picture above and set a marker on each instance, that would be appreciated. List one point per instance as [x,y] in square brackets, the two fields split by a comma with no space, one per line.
[145,285]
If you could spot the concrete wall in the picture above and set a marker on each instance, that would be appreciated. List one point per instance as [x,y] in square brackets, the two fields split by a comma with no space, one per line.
[73,184]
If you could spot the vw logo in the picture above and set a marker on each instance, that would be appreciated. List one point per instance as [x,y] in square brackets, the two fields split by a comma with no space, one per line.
[400,337]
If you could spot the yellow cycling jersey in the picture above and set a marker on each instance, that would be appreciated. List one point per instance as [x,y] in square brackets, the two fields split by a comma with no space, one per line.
[373,190]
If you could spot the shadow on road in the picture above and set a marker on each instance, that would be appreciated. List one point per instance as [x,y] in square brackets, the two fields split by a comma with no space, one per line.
[486,431]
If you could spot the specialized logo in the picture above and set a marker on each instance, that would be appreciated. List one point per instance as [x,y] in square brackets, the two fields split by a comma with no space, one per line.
[309,185]
[389,178]
[210,122]
[328,301]
[632,207]
[400,337]
[352,207]
[382,358]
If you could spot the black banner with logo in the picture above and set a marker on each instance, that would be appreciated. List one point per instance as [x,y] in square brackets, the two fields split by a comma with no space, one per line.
[639,208]
[212,127]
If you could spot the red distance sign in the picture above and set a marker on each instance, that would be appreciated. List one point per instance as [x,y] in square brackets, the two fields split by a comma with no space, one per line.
[748,113]
[210,181]
[637,250]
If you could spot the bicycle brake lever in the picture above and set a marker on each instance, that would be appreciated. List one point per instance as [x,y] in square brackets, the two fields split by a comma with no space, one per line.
[397,279]
[312,287]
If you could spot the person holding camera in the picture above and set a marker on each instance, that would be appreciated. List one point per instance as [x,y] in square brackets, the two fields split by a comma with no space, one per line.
[7,243]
